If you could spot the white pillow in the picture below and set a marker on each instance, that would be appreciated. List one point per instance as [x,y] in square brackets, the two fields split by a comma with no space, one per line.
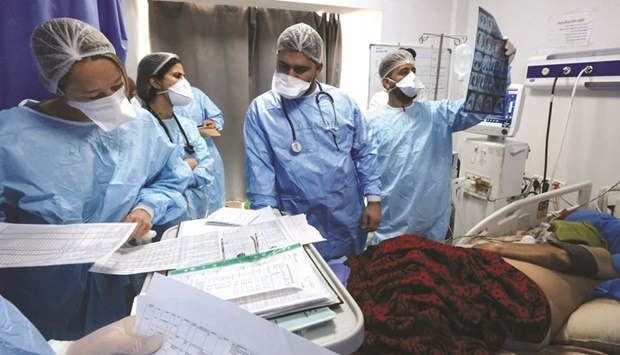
[594,325]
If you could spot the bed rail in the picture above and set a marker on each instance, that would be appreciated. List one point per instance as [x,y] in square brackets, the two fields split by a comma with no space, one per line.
[527,213]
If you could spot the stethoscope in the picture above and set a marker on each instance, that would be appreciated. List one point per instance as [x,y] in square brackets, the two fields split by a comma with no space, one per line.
[189,148]
[296,145]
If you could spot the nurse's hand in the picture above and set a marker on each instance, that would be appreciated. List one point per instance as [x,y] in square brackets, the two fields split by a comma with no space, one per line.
[209,124]
[371,217]
[193,163]
[142,218]
[116,338]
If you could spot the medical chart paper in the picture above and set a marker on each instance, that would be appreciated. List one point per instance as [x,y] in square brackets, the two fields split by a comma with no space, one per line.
[195,322]
[127,260]
[201,226]
[45,244]
[489,72]
[232,217]
[199,249]
[300,230]
[268,284]
[163,255]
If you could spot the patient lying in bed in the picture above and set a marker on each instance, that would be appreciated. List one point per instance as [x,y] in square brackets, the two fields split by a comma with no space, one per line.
[420,296]
[567,273]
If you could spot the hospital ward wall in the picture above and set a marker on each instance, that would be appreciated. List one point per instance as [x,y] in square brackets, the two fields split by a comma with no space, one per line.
[590,150]
[363,22]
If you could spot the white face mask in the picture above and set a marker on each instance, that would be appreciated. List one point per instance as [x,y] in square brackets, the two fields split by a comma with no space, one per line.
[409,85]
[288,86]
[180,93]
[110,112]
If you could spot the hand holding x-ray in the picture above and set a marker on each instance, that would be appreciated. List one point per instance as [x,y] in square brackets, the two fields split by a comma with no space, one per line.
[511,50]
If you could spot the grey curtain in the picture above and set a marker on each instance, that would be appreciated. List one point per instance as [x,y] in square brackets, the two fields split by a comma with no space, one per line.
[328,26]
[229,53]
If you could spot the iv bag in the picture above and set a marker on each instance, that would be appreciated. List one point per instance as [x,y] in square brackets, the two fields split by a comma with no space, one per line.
[463,57]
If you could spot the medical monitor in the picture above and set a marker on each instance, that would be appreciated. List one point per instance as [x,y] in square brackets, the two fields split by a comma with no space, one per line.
[507,124]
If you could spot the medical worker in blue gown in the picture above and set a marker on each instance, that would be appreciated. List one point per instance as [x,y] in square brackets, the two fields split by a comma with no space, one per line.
[86,156]
[19,336]
[206,114]
[162,85]
[308,149]
[414,142]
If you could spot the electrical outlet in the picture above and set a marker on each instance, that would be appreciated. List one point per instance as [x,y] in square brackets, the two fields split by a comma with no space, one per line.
[555,181]
[558,182]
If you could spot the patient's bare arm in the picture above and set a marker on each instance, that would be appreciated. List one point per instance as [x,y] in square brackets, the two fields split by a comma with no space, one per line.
[544,255]
[573,259]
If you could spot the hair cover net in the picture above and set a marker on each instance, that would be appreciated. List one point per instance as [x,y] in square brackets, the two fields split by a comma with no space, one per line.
[302,38]
[57,44]
[149,66]
[393,60]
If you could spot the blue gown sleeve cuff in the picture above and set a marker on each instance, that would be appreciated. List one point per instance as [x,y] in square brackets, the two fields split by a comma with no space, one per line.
[145,207]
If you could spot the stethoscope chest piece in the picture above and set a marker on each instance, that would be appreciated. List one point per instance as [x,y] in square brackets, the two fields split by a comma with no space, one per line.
[296,146]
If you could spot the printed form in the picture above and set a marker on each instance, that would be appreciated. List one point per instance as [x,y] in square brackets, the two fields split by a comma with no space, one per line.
[195,322]
[209,247]
[232,217]
[201,226]
[267,284]
[46,244]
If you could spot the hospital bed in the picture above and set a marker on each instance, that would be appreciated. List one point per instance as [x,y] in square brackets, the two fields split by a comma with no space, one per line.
[594,328]
[529,212]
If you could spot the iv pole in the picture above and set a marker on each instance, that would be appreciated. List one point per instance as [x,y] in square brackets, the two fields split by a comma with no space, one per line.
[458,39]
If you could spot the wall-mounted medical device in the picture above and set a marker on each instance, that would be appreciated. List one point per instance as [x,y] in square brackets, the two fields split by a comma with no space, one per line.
[604,73]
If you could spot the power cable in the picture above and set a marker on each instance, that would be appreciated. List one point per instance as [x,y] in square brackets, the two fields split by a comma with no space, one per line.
[545,184]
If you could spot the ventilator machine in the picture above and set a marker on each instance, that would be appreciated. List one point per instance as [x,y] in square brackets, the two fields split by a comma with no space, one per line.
[491,167]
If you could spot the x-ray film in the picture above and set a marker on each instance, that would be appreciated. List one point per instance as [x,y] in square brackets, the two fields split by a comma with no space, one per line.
[489,72]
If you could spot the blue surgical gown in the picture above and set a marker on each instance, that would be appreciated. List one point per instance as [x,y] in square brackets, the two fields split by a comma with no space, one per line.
[56,171]
[326,182]
[196,194]
[18,335]
[202,108]
[415,160]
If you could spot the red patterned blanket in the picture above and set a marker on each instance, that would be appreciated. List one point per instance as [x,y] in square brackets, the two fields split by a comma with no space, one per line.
[419,296]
